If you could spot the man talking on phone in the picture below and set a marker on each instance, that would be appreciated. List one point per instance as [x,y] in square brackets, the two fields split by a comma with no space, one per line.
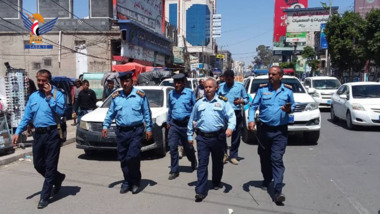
[42,108]
[275,101]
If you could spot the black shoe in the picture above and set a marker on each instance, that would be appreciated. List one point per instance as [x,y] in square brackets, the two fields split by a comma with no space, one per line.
[42,204]
[199,197]
[217,187]
[58,185]
[279,198]
[265,185]
[194,165]
[173,175]
[135,189]
[124,189]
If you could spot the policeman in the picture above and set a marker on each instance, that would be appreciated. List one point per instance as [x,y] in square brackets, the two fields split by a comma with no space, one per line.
[213,119]
[181,102]
[44,108]
[130,107]
[237,96]
[275,101]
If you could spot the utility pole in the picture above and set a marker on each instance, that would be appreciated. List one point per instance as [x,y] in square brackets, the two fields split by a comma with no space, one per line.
[328,72]
[186,57]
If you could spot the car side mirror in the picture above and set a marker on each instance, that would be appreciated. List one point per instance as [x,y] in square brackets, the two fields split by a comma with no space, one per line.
[310,90]
[99,103]
[343,96]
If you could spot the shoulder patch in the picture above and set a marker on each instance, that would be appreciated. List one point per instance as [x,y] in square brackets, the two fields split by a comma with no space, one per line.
[223,98]
[288,86]
[198,98]
[115,94]
[263,85]
[142,94]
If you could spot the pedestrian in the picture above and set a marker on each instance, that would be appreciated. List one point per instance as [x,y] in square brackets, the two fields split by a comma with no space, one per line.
[131,109]
[213,119]
[77,89]
[44,108]
[181,103]
[237,97]
[200,89]
[275,101]
[109,89]
[86,100]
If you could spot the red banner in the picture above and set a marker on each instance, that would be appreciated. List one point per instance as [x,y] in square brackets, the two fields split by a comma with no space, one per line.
[280,16]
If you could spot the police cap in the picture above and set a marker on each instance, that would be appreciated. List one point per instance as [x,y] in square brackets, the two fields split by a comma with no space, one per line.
[179,77]
[125,75]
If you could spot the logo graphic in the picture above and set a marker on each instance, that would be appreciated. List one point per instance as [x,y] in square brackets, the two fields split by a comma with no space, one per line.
[33,24]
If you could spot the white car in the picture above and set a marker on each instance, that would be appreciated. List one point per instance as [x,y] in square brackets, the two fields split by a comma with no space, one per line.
[192,83]
[325,87]
[306,117]
[89,132]
[358,103]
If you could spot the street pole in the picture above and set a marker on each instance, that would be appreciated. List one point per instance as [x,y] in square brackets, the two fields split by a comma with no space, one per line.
[328,72]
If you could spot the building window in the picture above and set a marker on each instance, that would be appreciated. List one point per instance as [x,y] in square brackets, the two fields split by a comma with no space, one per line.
[198,25]
[36,65]
[173,14]
[79,42]
[47,62]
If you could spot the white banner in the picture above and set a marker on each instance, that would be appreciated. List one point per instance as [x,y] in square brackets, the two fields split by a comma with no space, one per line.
[306,21]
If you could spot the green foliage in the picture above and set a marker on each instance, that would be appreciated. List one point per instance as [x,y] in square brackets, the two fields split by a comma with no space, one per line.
[264,56]
[287,65]
[309,54]
[371,36]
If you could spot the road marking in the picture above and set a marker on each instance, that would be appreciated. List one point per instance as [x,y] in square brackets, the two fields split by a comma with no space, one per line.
[356,204]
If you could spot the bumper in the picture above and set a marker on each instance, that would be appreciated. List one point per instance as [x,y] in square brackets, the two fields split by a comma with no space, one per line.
[365,118]
[306,121]
[324,102]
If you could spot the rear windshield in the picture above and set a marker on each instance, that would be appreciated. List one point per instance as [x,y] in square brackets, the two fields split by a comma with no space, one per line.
[326,84]
[366,91]
[296,85]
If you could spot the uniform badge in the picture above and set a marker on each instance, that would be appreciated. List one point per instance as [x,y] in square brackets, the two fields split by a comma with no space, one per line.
[218,105]
[115,94]
[267,93]
[142,94]
[223,98]
[263,85]
[288,86]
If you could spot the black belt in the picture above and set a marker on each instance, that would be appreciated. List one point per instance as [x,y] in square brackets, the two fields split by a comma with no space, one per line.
[181,123]
[128,128]
[43,130]
[209,134]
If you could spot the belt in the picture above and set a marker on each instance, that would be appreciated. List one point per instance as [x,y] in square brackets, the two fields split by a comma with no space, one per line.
[128,128]
[182,123]
[43,130]
[209,134]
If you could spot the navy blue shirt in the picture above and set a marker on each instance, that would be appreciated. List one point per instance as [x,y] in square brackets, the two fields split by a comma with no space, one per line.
[180,104]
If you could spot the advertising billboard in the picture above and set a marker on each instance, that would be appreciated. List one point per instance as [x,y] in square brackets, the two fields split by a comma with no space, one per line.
[364,6]
[324,44]
[280,16]
[217,25]
[296,37]
[146,12]
[307,20]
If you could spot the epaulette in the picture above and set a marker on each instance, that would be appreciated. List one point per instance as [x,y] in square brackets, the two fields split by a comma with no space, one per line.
[198,98]
[115,94]
[263,85]
[288,86]
[142,94]
[223,98]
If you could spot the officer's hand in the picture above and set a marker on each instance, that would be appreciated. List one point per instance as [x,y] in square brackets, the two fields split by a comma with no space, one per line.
[47,89]
[74,115]
[104,133]
[229,132]
[251,126]
[149,135]
[238,102]
[286,108]
[168,126]
[190,142]
[14,139]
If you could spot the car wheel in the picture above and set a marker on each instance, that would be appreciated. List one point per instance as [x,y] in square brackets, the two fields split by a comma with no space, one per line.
[311,137]
[349,121]
[163,141]
[333,117]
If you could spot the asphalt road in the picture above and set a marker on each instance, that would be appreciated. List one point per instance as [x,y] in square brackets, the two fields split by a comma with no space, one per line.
[339,175]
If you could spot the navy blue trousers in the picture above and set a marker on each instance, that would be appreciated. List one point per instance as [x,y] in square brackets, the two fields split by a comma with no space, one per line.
[178,135]
[46,149]
[273,141]
[129,155]
[236,134]
[205,146]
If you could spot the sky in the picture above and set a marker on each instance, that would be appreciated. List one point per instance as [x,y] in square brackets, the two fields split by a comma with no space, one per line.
[246,24]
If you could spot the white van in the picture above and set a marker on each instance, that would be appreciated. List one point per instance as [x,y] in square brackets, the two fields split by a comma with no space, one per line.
[324,87]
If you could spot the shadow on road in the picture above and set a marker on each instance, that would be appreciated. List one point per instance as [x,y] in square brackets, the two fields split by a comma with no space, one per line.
[258,184]
[227,187]
[63,193]
[144,183]
[111,155]
[342,124]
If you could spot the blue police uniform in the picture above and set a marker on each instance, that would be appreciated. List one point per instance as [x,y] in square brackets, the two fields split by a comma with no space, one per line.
[210,118]
[272,130]
[180,107]
[46,144]
[130,112]
[237,91]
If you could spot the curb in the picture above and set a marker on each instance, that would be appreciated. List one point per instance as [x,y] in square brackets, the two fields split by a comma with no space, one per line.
[16,157]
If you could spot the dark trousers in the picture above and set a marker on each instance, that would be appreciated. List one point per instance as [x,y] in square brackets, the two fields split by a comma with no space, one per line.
[128,148]
[235,139]
[46,149]
[205,146]
[177,135]
[273,140]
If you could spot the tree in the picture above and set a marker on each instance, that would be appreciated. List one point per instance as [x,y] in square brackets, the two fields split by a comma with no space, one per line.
[343,34]
[371,36]
[309,54]
[264,56]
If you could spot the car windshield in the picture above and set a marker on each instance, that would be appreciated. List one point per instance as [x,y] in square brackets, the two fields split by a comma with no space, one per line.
[171,83]
[155,98]
[366,91]
[296,85]
[326,84]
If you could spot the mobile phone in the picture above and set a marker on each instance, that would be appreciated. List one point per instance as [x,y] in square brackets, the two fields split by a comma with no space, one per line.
[288,105]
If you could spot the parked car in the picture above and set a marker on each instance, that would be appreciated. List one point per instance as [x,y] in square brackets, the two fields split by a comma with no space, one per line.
[357,103]
[306,117]
[324,87]
[192,83]
[89,131]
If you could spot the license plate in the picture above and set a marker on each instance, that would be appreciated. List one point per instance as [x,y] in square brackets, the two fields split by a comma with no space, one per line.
[329,102]
[379,117]
[291,119]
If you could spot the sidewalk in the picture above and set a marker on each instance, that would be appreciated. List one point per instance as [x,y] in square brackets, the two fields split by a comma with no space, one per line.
[22,153]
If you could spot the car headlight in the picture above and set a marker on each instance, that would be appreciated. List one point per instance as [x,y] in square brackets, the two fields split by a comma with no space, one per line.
[357,106]
[84,125]
[316,94]
[311,106]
